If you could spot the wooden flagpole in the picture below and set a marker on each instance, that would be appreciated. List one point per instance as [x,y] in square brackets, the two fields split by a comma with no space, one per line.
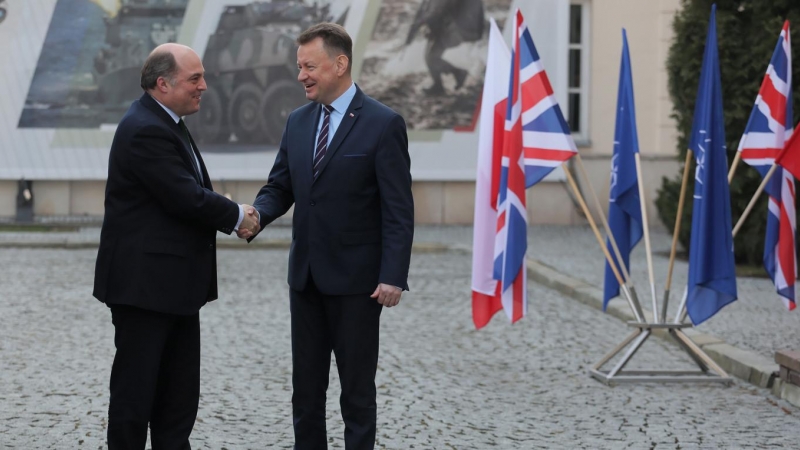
[603,247]
[734,164]
[709,371]
[676,230]
[646,228]
[754,199]
[610,235]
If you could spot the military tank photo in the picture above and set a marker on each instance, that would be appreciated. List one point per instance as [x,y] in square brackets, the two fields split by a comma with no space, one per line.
[3,11]
[251,71]
[138,27]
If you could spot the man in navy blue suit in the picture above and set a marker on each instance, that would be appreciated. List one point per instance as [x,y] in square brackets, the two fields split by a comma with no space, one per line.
[156,266]
[343,162]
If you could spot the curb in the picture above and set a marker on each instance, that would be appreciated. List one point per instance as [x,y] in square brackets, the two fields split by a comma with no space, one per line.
[742,364]
[224,243]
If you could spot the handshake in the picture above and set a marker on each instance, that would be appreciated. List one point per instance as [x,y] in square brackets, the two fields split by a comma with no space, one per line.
[250,225]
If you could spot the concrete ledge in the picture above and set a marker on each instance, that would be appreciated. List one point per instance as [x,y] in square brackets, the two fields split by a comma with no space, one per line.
[742,364]
[222,242]
[786,391]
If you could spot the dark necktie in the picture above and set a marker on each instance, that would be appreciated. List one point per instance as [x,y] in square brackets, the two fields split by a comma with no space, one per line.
[322,140]
[192,158]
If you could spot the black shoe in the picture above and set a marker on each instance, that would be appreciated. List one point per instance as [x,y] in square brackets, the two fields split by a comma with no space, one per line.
[461,76]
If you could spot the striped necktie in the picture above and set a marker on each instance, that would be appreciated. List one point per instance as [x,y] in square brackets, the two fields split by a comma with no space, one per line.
[322,140]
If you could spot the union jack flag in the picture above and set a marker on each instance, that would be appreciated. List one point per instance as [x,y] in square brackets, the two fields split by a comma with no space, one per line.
[768,130]
[537,140]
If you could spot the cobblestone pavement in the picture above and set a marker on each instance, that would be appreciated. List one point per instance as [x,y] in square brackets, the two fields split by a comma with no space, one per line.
[441,383]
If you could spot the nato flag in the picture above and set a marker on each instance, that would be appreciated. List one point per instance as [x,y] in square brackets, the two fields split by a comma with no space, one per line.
[712,277]
[624,210]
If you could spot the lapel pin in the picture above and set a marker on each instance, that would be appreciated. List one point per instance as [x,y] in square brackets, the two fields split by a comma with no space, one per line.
[351,115]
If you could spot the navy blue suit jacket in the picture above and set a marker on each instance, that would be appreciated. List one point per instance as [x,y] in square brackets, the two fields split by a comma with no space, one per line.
[157,245]
[353,226]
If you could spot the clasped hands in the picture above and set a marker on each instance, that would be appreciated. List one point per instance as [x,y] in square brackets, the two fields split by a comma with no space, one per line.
[250,225]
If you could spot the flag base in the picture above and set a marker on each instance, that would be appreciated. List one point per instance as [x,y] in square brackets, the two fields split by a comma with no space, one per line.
[709,370]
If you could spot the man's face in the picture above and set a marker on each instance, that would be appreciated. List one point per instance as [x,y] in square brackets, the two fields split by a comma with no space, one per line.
[183,97]
[320,74]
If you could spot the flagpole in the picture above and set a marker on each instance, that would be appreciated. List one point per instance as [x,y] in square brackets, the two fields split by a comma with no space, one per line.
[676,229]
[614,246]
[646,228]
[734,164]
[610,260]
[754,199]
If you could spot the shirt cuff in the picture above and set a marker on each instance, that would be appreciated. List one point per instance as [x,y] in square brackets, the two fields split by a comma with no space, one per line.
[241,216]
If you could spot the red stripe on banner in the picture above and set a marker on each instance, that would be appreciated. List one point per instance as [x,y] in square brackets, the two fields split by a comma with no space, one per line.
[549,155]
[485,306]
[501,221]
[535,90]
[774,99]
[518,310]
[516,170]
[788,158]
[760,153]
[498,135]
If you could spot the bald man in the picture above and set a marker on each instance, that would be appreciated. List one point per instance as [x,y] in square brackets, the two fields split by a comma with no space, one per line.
[156,266]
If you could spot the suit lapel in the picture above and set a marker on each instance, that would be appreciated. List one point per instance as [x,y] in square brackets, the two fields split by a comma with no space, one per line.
[150,103]
[310,132]
[348,120]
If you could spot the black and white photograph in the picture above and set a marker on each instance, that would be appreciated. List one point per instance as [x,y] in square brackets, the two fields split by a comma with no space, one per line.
[426,59]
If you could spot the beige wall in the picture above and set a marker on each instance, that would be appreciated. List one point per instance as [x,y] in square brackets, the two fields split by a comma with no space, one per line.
[648,23]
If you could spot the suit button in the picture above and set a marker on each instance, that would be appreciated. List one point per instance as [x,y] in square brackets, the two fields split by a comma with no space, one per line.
[312,203]
[211,246]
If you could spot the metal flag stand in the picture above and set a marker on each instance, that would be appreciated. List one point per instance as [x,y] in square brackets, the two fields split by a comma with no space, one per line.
[708,369]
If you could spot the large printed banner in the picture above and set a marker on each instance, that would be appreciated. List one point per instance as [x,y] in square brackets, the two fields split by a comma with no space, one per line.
[72,67]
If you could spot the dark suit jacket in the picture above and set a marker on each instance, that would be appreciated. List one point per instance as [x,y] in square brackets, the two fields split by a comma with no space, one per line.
[353,226]
[157,245]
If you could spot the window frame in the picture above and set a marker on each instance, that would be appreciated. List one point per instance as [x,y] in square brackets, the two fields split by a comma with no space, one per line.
[580,135]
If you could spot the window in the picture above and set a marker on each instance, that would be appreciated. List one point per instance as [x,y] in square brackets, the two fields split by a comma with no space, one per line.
[578,73]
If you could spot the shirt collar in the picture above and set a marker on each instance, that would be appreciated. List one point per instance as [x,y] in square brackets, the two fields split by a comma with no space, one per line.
[343,102]
[172,114]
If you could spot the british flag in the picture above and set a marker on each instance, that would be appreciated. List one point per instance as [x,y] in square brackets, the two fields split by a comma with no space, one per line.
[767,131]
[537,140]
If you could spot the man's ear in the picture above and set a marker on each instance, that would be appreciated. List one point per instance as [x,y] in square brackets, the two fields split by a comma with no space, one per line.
[161,84]
[341,65]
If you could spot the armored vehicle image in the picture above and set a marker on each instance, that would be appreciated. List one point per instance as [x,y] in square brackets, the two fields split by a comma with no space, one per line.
[251,72]
[3,12]
[138,27]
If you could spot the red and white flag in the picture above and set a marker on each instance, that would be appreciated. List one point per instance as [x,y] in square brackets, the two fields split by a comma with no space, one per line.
[486,298]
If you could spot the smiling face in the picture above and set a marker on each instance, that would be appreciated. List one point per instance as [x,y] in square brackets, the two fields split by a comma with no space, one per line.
[324,76]
[183,91]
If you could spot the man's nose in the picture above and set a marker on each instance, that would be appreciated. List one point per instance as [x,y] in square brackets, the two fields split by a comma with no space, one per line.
[202,85]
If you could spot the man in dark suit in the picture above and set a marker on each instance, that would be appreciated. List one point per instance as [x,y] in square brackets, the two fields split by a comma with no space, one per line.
[343,162]
[156,266]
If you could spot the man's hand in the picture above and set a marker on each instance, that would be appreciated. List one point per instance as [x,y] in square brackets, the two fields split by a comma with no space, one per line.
[387,295]
[250,223]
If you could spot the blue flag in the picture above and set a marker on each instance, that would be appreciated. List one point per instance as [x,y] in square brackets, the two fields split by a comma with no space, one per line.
[624,209]
[712,276]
